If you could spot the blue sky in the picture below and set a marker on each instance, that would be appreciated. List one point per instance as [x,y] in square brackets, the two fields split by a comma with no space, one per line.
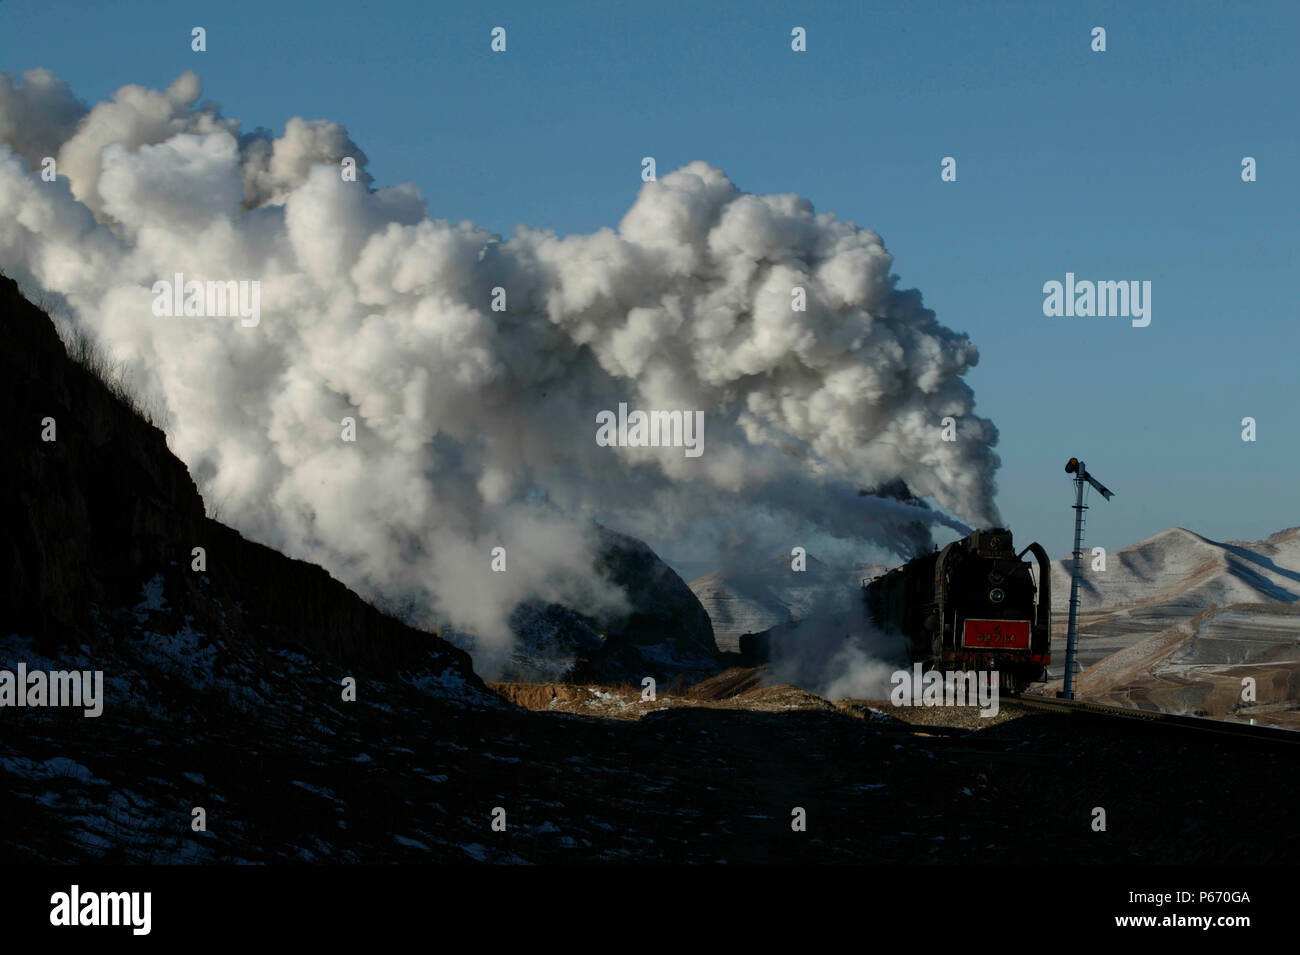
[1122,165]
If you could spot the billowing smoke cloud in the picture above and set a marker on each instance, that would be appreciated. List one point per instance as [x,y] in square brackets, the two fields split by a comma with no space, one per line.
[476,428]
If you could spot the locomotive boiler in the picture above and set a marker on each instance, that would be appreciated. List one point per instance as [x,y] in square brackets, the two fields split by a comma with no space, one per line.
[975,605]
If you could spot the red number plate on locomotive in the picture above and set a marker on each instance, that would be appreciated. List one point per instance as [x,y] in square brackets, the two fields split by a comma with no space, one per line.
[997,634]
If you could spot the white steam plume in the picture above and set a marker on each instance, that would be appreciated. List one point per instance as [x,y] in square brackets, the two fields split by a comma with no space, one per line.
[836,652]
[476,428]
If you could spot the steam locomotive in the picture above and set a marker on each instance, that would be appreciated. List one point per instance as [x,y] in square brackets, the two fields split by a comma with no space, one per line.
[975,605]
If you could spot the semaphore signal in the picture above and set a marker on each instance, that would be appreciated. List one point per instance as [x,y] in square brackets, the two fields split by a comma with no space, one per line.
[1076,467]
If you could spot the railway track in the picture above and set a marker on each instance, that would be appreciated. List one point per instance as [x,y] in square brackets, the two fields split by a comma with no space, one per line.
[1269,736]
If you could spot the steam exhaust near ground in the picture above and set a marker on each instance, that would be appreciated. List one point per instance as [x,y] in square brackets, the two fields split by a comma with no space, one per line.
[837,653]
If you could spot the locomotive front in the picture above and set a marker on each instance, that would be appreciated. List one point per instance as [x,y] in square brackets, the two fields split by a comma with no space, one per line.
[975,605]
[993,614]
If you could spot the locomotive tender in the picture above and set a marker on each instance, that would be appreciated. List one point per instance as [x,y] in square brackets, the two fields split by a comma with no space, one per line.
[974,605]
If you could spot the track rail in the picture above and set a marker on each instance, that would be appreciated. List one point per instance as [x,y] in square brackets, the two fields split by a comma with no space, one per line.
[1268,735]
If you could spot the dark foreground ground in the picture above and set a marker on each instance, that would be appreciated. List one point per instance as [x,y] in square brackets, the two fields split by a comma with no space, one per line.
[405,779]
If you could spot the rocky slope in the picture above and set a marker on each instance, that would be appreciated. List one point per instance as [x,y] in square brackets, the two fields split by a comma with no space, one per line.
[665,633]
[104,516]
[229,667]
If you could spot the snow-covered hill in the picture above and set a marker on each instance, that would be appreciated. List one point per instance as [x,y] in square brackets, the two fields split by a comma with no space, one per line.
[1179,568]
[1154,584]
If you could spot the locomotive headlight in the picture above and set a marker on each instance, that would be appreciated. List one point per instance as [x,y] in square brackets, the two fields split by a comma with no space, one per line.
[996,595]
[995,578]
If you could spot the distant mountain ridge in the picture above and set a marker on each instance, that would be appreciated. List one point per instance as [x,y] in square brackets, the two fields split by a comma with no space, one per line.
[1180,568]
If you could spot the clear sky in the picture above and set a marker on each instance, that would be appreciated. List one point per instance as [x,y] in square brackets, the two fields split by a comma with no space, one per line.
[1117,165]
